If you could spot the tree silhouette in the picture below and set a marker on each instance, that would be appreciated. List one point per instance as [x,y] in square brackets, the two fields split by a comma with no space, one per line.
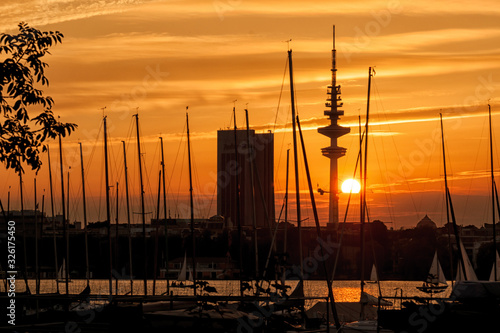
[21,72]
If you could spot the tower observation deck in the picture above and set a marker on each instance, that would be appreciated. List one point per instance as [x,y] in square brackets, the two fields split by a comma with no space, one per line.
[334,131]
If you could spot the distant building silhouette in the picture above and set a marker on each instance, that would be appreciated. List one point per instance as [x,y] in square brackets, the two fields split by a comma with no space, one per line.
[212,268]
[426,222]
[231,170]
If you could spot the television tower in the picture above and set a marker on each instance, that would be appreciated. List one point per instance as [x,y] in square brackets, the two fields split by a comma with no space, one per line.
[334,131]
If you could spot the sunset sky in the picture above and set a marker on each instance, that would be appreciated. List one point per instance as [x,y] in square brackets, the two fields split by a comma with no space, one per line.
[157,57]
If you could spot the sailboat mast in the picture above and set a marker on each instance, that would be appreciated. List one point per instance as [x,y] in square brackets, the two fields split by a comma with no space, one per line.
[363,192]
[116,237]
[65,224]
[155,260]
[25,255]
[191,204]
[318,230]
[237,197]
[37,269]
[165,212]
[5,218]
[296,164]
[87,267]
[493,198]
[496,196]
[142,207]
[361,196]
[128,220]
[450,249]
[42,214]
[67,199]
[286,200]
[449,202]
[56,266]
[252,198]
[108,210]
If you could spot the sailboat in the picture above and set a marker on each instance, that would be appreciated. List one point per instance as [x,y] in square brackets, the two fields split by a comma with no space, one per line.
[185,274]
[469,270]
[497,263]
[61,275]
[494,276]
[373,275]
[473,306]
[435,281]
[182,272]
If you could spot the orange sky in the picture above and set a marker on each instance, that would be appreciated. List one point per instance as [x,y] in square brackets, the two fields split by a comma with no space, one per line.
[160,56]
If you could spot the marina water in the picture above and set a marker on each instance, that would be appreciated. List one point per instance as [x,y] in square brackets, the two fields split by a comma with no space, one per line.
[344,290]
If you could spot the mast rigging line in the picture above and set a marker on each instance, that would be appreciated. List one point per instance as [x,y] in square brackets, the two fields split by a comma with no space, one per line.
[144,240]
[155,165]
[277,168]
[493,191]
[115,160]
[230,119]
[193,241]
[281,94]
[337,257]
[176,199]
[484,217]
[87,168]
[198,199]
[149,194]
[132,181]
[370,231]
[114,173]
[449,207]
[364,167]
[436,203]
[378,102]
[296,166]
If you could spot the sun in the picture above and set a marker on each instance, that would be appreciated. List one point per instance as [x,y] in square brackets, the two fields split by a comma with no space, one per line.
[351,185]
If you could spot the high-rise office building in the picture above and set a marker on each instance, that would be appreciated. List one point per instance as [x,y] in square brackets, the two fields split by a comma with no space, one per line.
[235,161]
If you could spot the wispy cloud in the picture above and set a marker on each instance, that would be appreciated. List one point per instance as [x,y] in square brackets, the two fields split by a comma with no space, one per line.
[412,185]
[391,117]
[421,42]
[459,6]
[44,12]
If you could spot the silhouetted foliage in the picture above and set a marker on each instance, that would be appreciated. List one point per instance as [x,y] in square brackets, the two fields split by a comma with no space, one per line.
[21,71]
[378,232]
[415,248]
[486,256]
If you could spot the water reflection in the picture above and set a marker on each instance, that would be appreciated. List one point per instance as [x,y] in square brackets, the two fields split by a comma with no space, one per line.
[344,291]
